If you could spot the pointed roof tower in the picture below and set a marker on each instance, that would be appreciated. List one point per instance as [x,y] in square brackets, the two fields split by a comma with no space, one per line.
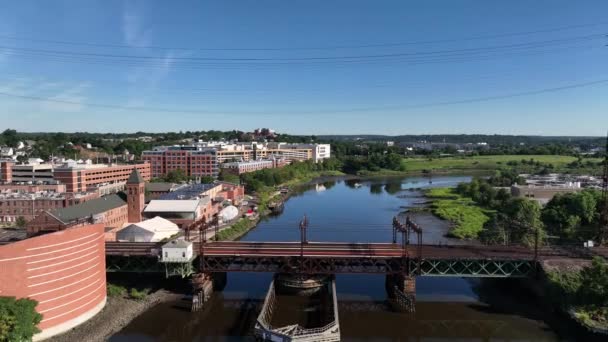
[135,177]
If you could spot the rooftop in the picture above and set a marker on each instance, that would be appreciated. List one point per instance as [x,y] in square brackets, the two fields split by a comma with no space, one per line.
[177,244]
[160,187]
[191,191]
[158,206]
[156,224]
[135,177]
[88,208]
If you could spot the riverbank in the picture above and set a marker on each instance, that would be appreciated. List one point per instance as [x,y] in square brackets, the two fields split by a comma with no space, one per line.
[117,314]
[466,216]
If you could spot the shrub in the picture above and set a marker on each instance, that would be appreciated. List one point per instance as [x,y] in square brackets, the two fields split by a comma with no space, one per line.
[138,295]
[18,319]
[116,290]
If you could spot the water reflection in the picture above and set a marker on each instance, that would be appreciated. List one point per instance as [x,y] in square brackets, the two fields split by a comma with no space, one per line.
[447,308]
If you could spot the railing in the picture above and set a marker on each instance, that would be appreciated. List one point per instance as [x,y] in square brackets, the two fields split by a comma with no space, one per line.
[295,332]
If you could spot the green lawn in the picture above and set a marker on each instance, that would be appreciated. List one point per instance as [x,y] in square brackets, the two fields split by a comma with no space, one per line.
[467,217]
[483,162]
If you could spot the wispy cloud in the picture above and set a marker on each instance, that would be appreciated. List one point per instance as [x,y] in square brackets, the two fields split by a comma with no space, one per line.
[134,30]
[74,96]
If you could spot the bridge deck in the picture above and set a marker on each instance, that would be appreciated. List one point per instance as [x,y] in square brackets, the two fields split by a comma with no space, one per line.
[358,250]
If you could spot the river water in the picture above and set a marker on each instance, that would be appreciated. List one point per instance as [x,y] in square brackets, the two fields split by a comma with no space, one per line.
[446,309]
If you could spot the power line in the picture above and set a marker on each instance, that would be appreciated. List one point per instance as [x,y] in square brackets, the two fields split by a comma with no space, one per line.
[344,58]
[335,47]
[368,109]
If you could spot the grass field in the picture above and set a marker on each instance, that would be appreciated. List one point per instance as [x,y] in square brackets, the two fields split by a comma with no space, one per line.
[486,162]
[467,217]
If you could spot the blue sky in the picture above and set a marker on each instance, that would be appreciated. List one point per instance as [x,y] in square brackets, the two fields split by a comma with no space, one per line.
[307,67]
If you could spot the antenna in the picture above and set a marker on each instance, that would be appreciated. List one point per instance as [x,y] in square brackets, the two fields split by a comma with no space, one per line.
[604,212]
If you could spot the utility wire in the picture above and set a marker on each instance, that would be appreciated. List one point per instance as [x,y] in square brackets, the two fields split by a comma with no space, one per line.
[344,58]
[351,110]
[334,47]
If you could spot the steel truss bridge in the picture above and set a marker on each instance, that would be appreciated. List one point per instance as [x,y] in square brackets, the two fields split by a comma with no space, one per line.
[304,257]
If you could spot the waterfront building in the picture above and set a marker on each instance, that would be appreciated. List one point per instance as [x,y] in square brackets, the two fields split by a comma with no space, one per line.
[177,251]
[204,159]
[238,168]
[64,272]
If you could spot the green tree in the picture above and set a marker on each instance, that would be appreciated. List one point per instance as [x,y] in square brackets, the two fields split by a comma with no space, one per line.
[175,176]
[18,319]
[524,216]
[21,222]
[10,137]
[594,285]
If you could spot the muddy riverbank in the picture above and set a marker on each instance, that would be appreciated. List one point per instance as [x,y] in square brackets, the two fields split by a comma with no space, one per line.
[116,315]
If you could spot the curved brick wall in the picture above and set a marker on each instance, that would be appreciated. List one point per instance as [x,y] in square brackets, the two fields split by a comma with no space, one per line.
[64,271]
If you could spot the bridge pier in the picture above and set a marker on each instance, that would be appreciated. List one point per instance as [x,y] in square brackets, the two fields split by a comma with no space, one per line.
[401,291]
[203,285]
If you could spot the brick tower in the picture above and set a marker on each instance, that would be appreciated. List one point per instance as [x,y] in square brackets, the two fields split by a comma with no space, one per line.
[136,190]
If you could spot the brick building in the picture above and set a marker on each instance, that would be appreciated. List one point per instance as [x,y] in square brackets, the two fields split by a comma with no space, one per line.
[203,159]
[111,211]
[14,204]
[86,177]
[238,168]
[193,161]
[64,272]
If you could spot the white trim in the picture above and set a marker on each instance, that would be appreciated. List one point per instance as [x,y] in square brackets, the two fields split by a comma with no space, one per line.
[62,262]
[71,293]
[61,256]
[68,276]
[64,286]
[61,243]
[51,252]
[75,300]
[66,326]
[67,312]
[63,269]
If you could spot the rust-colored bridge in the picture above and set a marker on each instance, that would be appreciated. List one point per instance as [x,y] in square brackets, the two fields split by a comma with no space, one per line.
[387,258]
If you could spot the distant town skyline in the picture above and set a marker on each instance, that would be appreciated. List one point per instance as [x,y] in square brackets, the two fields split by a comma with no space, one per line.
[307,68]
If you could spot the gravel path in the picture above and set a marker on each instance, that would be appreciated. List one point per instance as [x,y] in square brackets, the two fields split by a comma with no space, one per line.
[117,314]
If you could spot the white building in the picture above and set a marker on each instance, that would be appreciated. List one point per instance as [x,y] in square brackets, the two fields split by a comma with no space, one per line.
[152,230]
[6,152]
[177,251]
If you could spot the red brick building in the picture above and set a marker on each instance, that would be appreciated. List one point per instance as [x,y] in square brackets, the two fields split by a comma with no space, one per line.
[64,272]
[193,161]
[85,177]
[6,171]
[15,204]
[111,211]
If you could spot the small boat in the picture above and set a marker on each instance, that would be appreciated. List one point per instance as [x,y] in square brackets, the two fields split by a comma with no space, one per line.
[357,185]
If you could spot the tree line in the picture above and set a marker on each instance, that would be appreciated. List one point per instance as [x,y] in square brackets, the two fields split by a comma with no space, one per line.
[569,217]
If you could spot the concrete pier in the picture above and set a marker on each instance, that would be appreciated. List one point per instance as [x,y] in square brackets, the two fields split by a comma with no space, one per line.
[203,285]
[401,291]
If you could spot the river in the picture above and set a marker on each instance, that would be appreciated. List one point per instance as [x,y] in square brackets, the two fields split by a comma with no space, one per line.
[446,309]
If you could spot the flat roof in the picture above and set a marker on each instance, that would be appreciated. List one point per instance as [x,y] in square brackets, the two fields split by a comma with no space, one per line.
[188,192]
[158,206]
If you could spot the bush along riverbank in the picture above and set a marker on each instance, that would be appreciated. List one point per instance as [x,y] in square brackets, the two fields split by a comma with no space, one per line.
[467,217]
[582,294]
